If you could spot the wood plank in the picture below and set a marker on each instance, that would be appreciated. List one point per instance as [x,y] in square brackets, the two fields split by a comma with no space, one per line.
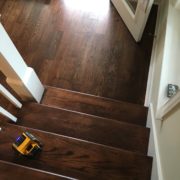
[91,51]
[91,128]
[9,171]
[98,106]
[75,158]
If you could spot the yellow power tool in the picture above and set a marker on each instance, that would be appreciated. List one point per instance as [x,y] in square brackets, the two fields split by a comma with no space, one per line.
[27,144]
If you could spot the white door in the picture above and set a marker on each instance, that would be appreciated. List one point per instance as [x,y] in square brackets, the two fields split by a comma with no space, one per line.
[134,14]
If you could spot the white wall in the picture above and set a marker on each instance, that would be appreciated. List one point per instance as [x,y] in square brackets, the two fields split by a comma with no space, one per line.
[165,67]
[171,63]
[169,144]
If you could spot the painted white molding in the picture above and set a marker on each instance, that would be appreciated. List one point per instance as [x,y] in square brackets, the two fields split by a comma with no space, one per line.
[7,114]
[135,22]
[152,64]
[153,148]
[150,75]
[9,96]
[168,106]
[21,78]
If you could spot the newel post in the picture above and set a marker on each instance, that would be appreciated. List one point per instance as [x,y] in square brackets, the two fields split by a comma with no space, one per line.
[21,78]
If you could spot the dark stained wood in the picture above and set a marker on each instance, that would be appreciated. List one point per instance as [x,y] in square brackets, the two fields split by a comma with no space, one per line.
[6,104]
[76,158]
[82,46]
[82,126]
[132,4]
[10,171]
[103,107]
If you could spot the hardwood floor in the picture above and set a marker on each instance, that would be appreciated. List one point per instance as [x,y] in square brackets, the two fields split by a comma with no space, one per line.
[21,172]
[85,126]
[98,106]
[81,144]
[76,158]
[80,45]
[4,103]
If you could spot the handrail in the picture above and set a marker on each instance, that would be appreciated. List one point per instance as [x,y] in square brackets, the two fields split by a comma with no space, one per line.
[168,106]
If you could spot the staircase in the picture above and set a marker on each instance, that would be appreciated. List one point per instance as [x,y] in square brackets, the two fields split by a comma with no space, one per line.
[83,136]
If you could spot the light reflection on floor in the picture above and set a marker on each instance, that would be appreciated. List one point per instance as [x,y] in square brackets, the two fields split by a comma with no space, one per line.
[98,8]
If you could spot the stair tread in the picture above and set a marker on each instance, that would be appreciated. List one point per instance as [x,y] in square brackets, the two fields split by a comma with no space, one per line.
[75,158]
[91,128]
[14,171]
[99,106]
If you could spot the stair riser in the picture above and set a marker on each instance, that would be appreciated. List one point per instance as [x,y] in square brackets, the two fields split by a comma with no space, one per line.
[76,158]
[98,106]
[9,171]
[82,126]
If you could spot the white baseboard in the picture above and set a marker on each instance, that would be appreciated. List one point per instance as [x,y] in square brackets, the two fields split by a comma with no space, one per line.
[152,65]
[153,149]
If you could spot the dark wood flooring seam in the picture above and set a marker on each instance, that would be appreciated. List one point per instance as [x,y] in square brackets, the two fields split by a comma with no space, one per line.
[37,170]
[84,141]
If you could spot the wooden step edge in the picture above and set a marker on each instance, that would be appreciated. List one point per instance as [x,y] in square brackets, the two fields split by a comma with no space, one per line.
[87,142]
[36,170]
[32,107]
[94,96]
[89,115]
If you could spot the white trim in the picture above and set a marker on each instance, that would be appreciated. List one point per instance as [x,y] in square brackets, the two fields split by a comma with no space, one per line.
[21,78]
[135,22]
[9,96]
[152,65]
[8,114]
[149,86]
[153,149]
[168,106]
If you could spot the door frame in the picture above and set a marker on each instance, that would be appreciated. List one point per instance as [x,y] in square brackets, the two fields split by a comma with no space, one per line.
[135,22]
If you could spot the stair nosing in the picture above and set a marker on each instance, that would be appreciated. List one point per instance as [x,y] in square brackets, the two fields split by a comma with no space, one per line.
[37,170]
[145,130]
[91,115]
[95,96]
[85,141]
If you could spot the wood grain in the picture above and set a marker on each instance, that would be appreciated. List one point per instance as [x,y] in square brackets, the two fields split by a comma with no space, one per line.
[81,46]
[9,171]
[76,158]
[98,106]
[91,128]
[6,104]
